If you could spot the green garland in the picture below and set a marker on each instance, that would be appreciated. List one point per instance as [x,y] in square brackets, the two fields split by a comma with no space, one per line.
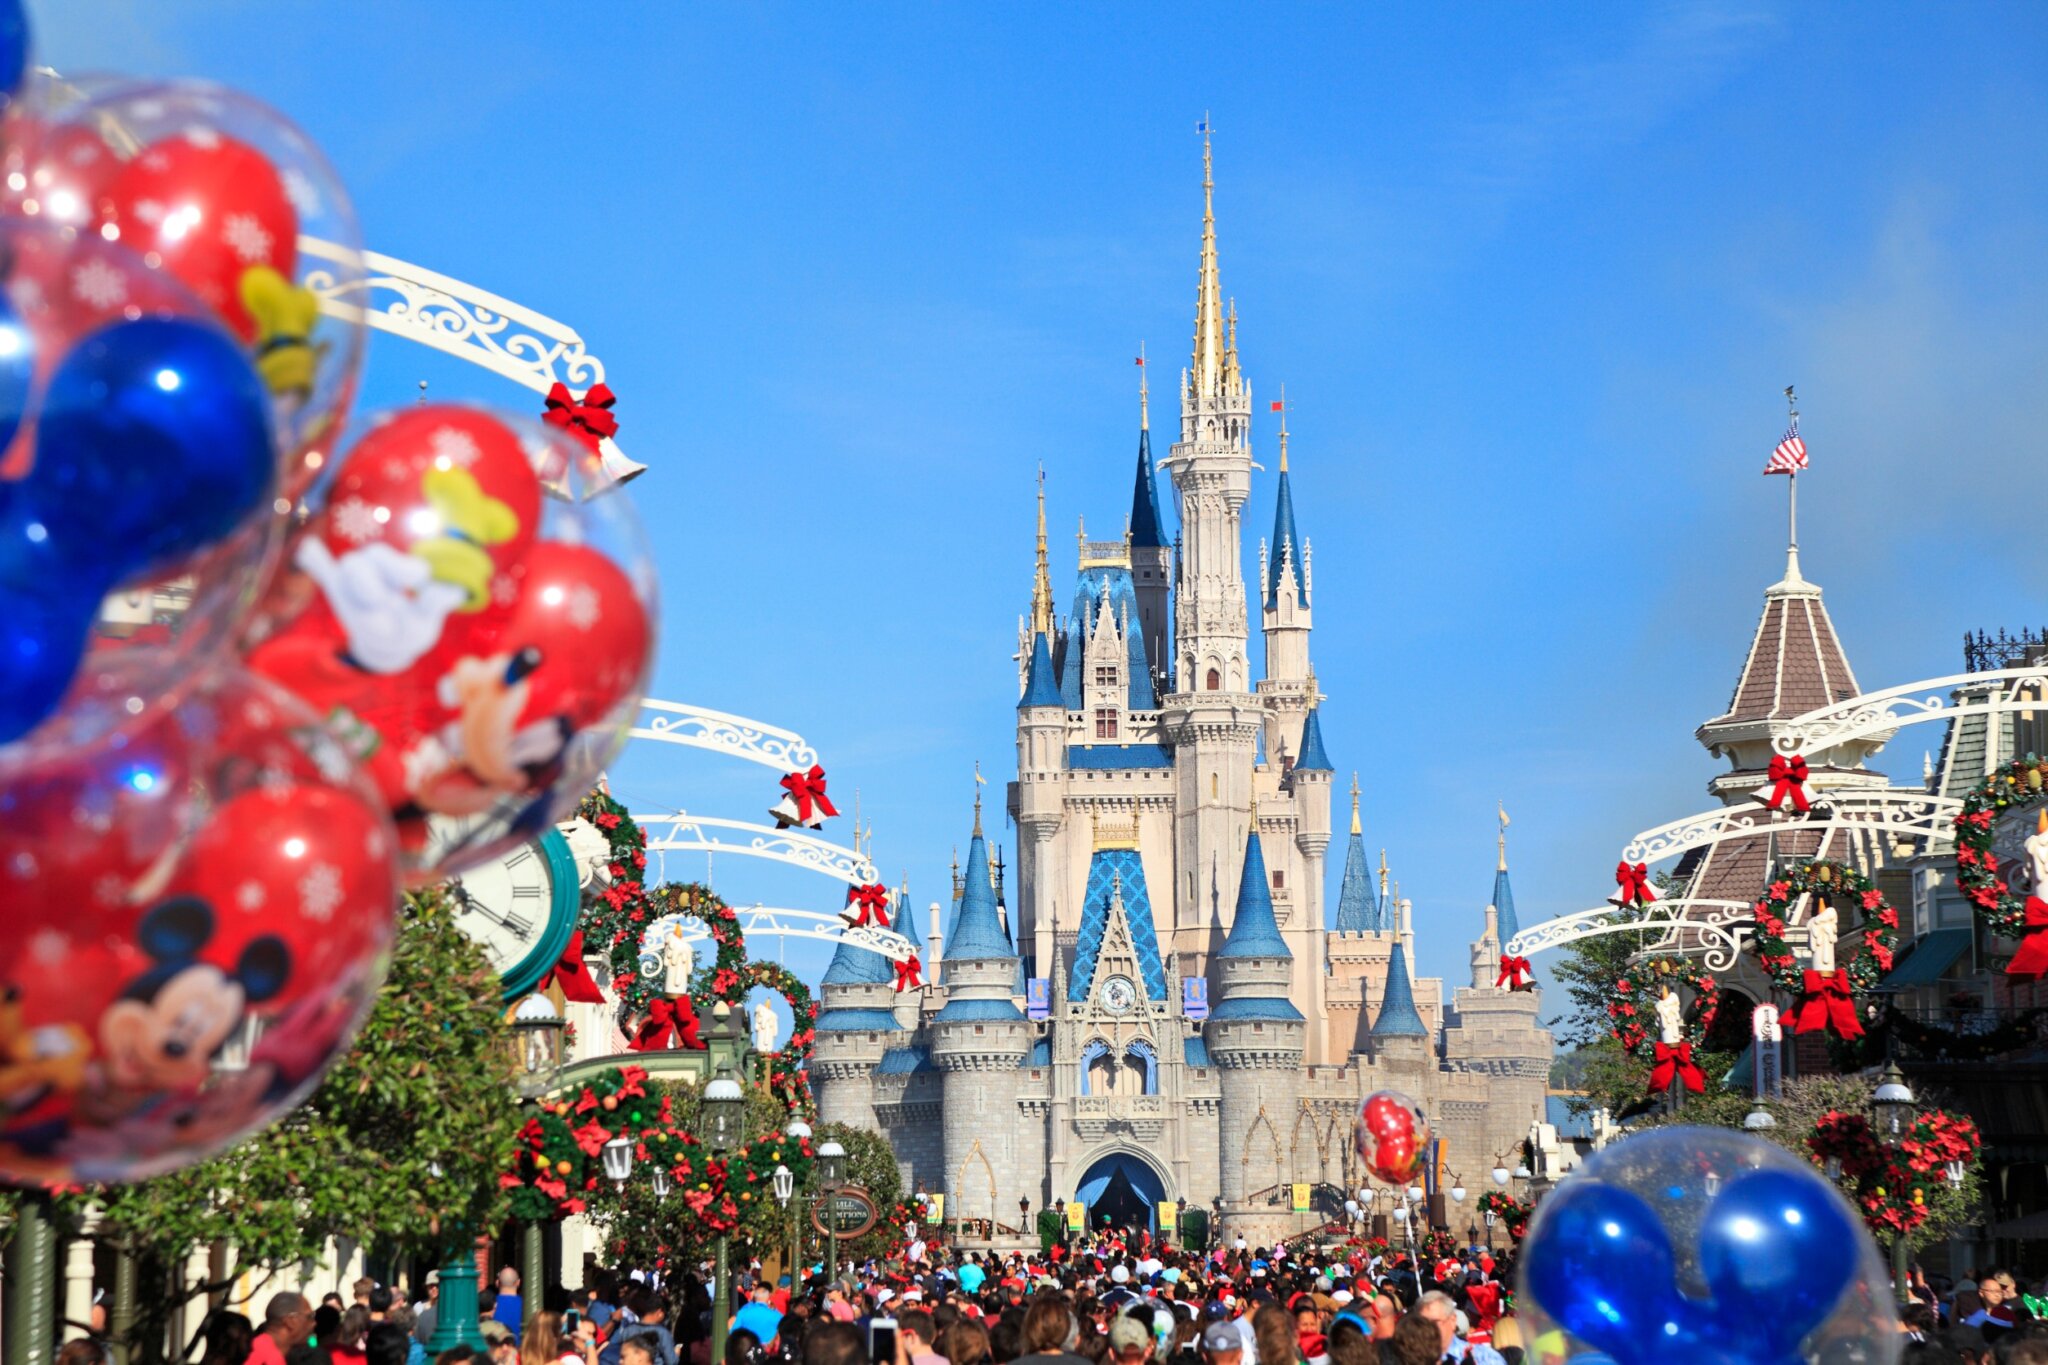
[786,1071]
[1636,985]
[2018,784]
[558,1164]
[1954,1045]
[1844,886]
[1511,1212]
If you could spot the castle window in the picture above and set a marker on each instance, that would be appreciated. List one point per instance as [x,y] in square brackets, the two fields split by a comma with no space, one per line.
[1105,724]
[1215,681]
[1215,787]
[1279,880]
[1105,676]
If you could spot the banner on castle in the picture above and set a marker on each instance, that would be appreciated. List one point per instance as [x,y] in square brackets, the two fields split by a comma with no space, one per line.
[1169,1216]
[1077,1216]
[1194,997]
[1300,1190]
[1038,998]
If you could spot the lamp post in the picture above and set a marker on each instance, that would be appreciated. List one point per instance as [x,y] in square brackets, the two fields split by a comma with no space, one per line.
[798,1132]
[784,1184]
[537,1029]
[1489,1229]
[725,1106]
[1891,1109]
[831,1171]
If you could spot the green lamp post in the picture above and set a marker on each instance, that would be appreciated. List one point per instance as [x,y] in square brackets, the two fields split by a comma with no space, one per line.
[831,1173]
[725,1109]
[1891,1106]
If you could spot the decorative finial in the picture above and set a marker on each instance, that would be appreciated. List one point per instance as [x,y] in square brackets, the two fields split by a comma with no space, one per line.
[1355,830]
[1503,813]
[1041,575]
[1116,889]
[979,783]
[423,391]
[1081,535]
[1281,406]
[1383,874]
[1206,370]
[1144,393]
[957,882]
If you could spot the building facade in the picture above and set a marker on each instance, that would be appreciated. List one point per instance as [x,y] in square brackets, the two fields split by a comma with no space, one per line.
[1172,1011]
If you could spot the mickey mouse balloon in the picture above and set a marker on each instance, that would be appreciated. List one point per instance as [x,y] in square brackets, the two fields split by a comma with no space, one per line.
[474,624]
[1391,1136]
[198,916]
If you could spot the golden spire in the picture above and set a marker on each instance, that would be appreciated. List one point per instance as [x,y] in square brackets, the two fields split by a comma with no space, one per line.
[1283,391]
[1208,358]
[1354,805]
[1041,578]
[1503,812]
[1144,393]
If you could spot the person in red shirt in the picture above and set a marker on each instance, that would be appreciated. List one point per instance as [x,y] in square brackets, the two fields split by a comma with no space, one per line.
[287,1321]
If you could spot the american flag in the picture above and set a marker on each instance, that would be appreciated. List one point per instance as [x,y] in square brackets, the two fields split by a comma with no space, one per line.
[1790,455]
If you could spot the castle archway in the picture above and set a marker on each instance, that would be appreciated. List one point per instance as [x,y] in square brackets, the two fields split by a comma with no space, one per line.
[1121,1189]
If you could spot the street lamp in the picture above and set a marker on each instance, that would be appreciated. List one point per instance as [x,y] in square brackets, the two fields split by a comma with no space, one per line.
[831,1171]
[537,1028]
[783,1182]
[617,1156]
[1891,1106]
[1500,1172]
[1758,1120]
[725,1108]
[1457,1189]
[661,1185]
[798,1130]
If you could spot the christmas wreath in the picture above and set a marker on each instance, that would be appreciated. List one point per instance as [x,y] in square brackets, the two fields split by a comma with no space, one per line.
[558,1160]
[1890,1184]
[1825,1000]
[1634,996]
[786,1070]
[1512,1213]
[2006,912]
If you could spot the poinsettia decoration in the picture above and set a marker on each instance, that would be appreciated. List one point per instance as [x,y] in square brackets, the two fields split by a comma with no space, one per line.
[1890,1184]
[557,1163]
[2007,912]
[1511,1212]
[1632,1005]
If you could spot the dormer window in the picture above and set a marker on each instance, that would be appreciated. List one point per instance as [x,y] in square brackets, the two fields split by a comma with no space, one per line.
[1105,675]
[1105,724]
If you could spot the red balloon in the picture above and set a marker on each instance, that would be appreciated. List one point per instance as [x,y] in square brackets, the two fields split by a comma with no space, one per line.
[1392,1136]
[210,208]
[221,874]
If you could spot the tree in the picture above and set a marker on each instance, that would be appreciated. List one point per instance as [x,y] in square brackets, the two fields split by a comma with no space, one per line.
[871,1164]
[400,1145]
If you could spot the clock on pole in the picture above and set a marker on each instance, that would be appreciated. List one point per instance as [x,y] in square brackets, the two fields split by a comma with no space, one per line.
[521,908]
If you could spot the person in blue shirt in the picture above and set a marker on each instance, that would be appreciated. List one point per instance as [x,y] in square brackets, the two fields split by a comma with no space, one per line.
[510,1308]
[758,1316]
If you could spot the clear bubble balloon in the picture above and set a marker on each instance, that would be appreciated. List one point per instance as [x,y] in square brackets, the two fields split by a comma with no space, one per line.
[473,609]
[1392,1136]
[137,489]
[199,914]
[1703,1244]
[229,196]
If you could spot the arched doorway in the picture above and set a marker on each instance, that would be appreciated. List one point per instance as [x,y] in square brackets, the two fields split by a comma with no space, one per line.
[1121,1190]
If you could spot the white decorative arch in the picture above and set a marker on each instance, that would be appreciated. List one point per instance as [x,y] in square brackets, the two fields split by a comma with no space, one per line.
[781,922]
[2001,691]
[1717,925]
[1899,813]
[700,727]
[680,832]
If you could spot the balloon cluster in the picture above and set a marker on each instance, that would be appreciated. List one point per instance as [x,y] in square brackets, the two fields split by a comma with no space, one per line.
[253,681]
[1391,1136]
[1703,1245]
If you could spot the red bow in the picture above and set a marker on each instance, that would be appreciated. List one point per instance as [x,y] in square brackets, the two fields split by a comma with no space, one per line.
[1633,879]
[1788,778]
[589,420]
[666,1018]
[1825,1004]
[871,903]
[1674,1062]
[572,975]
[1514,973]
[807,790]
[909,973]
[2030,963]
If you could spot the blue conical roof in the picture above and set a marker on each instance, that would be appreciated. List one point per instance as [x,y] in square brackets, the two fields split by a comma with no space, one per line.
[1253,930]
[1148,529]
[906,922]
[1139,687]
[1504,906]
[1070,665]
[851,966]
[1040,687]
[1398,1016]
[977,933]
[1313,759]
[1358,912]
[1286,547]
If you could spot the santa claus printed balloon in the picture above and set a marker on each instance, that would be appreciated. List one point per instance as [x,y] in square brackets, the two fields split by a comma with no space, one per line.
[1392,1136]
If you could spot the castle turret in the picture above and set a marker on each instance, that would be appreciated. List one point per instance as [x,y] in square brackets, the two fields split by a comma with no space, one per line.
[979,1039]
[856,1024]
[1289,687]
[1151,560]
[1358,910]
[1495,1030]
[1037,801]
[1309,782]
[1255,1037]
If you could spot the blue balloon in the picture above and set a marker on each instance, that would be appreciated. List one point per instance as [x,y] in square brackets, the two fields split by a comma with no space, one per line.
[1600,1264]
[1777,1253]
[44,619]
[13,46]
[154,440]
[17,373]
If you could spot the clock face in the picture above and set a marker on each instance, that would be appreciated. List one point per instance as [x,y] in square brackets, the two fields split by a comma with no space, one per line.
[1118,994]
[520,908]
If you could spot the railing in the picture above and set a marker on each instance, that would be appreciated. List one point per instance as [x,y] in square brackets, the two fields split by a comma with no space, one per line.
[1120,1106]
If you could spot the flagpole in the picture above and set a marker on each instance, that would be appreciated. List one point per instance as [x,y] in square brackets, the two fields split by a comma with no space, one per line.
[1792,481]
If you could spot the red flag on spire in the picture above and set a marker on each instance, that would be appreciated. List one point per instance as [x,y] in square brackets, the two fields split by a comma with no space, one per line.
[1279,406]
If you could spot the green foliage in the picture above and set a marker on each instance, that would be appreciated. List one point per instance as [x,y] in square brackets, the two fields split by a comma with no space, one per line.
[427,1083]
[871,1164]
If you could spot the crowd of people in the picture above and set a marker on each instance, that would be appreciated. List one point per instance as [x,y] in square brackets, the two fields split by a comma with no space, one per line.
[1118,1299]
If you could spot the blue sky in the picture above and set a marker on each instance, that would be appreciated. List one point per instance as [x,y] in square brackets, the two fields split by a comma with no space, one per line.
[1533,276]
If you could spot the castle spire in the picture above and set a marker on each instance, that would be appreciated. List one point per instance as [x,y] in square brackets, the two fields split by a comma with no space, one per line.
[1356,912]
[1144,393]
[1041,577]
[1208,363]
[1505,920]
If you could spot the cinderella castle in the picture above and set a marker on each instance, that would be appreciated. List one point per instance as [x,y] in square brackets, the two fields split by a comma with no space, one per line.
[1172,1011]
